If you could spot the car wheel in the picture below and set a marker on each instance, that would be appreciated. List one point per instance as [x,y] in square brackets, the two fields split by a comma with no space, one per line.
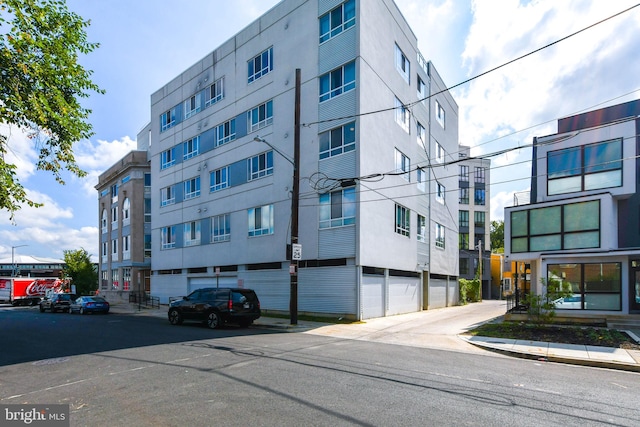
[245,323]
[175,318]
[213,320]
[41,309]
[82,310]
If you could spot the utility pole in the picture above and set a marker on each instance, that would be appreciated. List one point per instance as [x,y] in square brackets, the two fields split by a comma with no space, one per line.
[480,265]
[295,199]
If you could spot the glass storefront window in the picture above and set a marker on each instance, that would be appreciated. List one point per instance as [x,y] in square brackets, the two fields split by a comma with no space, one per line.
[595,286]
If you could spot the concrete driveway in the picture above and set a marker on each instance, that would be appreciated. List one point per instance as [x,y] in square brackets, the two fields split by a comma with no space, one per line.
[437,328]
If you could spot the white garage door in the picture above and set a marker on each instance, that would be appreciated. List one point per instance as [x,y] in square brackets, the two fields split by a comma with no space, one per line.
[404,295]
[372,296]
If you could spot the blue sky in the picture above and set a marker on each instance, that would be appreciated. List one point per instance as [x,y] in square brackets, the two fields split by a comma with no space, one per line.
[146,43]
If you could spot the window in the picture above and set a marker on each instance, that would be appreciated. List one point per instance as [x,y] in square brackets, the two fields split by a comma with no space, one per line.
[214,93]
[192,233]
[126,212]
[103,221]
[225,132]
[464,173]
[220,228]
[260,165]
[338,81]
[564,227]
[260,220]
[126,279]
[402,220]
[125,179]
[114,279]
[168,237]
[261,116]
[167,158]
[114,217]
[192,105]
[260,65]
[147,179]
[422,91]
[464,266]
[402,115]
[479,220]
[421,135]
[219,179]
[337,141]
[191,148]
[478,197]
[421,232]
[337,20]
[192,188]
[114,250]
[464,196]
[589,167]
[480,172]
[105,251]
[167,196]
[440,193]
[147,245]
[167,119]
[440,114]
[439,153]
[338,208]
[147,210]
[402,64]
[422,179]
[463,241]
[403,164]
[126,247]
[463,218]
[595,286]
[114,193]
[440,236]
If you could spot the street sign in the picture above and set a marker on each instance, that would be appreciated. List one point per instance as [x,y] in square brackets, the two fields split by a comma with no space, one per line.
[296,252]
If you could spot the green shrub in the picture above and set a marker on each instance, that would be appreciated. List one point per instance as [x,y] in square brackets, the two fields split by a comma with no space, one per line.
[469,291]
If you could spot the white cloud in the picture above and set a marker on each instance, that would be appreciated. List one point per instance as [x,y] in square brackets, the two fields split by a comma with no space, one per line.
[530,90]
[45,216]
[20,151]
[102,154]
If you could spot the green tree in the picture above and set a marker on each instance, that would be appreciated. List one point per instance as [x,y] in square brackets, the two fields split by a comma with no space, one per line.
[41,83]
[497,236]
[81,271]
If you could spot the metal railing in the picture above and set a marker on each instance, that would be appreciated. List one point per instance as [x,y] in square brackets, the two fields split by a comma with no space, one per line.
[515,302]
[144,299]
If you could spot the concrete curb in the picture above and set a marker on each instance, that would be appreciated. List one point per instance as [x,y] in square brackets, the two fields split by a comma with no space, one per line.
[502,348]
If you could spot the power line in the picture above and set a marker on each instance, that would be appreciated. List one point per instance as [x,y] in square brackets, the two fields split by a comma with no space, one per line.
[478,75]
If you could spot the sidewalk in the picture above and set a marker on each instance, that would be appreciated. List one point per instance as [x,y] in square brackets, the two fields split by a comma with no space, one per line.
[443,329]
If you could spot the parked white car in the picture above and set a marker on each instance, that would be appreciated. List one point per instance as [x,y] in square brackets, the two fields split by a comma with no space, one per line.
[572,302]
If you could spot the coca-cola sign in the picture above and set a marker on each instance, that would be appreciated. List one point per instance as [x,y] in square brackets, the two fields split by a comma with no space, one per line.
[40,287]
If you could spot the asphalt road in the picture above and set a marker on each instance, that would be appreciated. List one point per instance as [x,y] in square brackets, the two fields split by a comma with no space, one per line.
[140,371]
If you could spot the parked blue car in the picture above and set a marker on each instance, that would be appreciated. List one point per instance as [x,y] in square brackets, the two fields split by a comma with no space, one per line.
[84,305]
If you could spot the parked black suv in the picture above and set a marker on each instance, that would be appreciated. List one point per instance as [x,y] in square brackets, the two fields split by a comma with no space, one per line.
[57,302]
[216,306]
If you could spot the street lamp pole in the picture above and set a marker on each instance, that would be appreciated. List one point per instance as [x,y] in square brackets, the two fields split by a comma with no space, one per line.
[13,263]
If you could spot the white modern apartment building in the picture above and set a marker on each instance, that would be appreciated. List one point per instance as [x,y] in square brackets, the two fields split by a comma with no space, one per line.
[378,178]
